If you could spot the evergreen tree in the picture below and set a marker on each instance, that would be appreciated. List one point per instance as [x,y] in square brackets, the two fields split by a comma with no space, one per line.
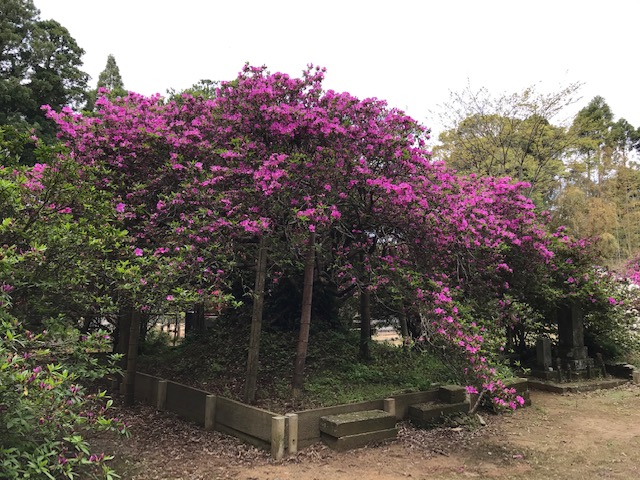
[110,79]
[601,195]
[39,65]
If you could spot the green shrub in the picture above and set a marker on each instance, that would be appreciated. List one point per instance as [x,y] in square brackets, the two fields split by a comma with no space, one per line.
[44,408]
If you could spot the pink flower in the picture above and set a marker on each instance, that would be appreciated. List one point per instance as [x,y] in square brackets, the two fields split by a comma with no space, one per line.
[170,298]
[138,252]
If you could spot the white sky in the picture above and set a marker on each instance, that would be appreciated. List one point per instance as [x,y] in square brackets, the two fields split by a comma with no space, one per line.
[408,52]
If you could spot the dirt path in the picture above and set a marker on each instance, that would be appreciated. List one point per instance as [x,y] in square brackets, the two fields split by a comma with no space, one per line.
[582,436]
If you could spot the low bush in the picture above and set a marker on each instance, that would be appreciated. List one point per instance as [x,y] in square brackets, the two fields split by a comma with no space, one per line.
[45,410]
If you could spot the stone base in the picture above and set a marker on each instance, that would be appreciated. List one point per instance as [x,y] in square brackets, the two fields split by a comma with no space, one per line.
[349,442]
[578,365]
[575,387]
[622,370]
[545,374]
[427,414]
[356,422]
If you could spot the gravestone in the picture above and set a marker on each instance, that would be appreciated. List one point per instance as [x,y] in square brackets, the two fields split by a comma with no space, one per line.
[569,360]
[571,349]
[543,353]
[544,367]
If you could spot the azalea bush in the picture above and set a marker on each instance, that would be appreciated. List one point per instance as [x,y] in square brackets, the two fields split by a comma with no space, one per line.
[612,324]
[196,181]
[45,407]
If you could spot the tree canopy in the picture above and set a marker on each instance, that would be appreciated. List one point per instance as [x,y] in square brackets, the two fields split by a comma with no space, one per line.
[343,188]
[271,155]
[509,135]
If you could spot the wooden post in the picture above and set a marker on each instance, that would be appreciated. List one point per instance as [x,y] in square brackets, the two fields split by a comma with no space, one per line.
[365,323]
[256,324]
[305,318]
[124,330]
[292,429]
[132,358]
[277,437]
[161,400]
[198,311]
[210,412]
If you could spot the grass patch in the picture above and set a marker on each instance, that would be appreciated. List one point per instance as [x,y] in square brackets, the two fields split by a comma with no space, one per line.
[216,362]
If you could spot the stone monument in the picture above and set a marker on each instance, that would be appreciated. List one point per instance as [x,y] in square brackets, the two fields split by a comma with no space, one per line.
[569,360]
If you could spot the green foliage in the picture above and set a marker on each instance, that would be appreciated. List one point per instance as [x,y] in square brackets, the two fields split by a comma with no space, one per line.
[39,64]
[508,135]
[612,328]
[45,410]
[156,342]
[68,228]
[342,378]
[217,362]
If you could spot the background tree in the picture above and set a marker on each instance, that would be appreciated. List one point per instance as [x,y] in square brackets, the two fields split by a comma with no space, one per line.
[109,79]
[39,64]
[603,174]
[509,135]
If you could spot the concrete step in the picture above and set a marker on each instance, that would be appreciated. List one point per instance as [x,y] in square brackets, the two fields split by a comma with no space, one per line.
[430,413]
[356,423]
[349,442]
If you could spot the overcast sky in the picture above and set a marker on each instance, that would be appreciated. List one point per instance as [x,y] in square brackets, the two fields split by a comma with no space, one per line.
[410,53]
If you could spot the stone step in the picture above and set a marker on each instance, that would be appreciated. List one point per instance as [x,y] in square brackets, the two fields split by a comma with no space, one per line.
[349,442]
[452,394]
[356,423]
[430,413]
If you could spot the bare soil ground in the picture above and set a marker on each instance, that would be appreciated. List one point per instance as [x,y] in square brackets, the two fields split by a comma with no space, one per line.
[592,435]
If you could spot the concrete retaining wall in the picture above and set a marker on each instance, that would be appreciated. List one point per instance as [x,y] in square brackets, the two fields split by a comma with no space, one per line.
[250,424]
[404,400]
[265,429]
[309,420]
[146,388]
[186,401]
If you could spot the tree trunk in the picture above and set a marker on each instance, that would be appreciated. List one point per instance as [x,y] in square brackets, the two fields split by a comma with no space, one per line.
[144,329]
[199,322]
[365,323]
[404,329]
[305,318]
[256,324]
[132,358]
[194,320]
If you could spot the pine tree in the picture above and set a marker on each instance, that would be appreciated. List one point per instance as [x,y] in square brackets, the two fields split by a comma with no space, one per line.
[110,77]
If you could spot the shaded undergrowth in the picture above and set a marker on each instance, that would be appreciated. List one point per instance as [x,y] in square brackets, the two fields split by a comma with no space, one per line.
[216,362]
